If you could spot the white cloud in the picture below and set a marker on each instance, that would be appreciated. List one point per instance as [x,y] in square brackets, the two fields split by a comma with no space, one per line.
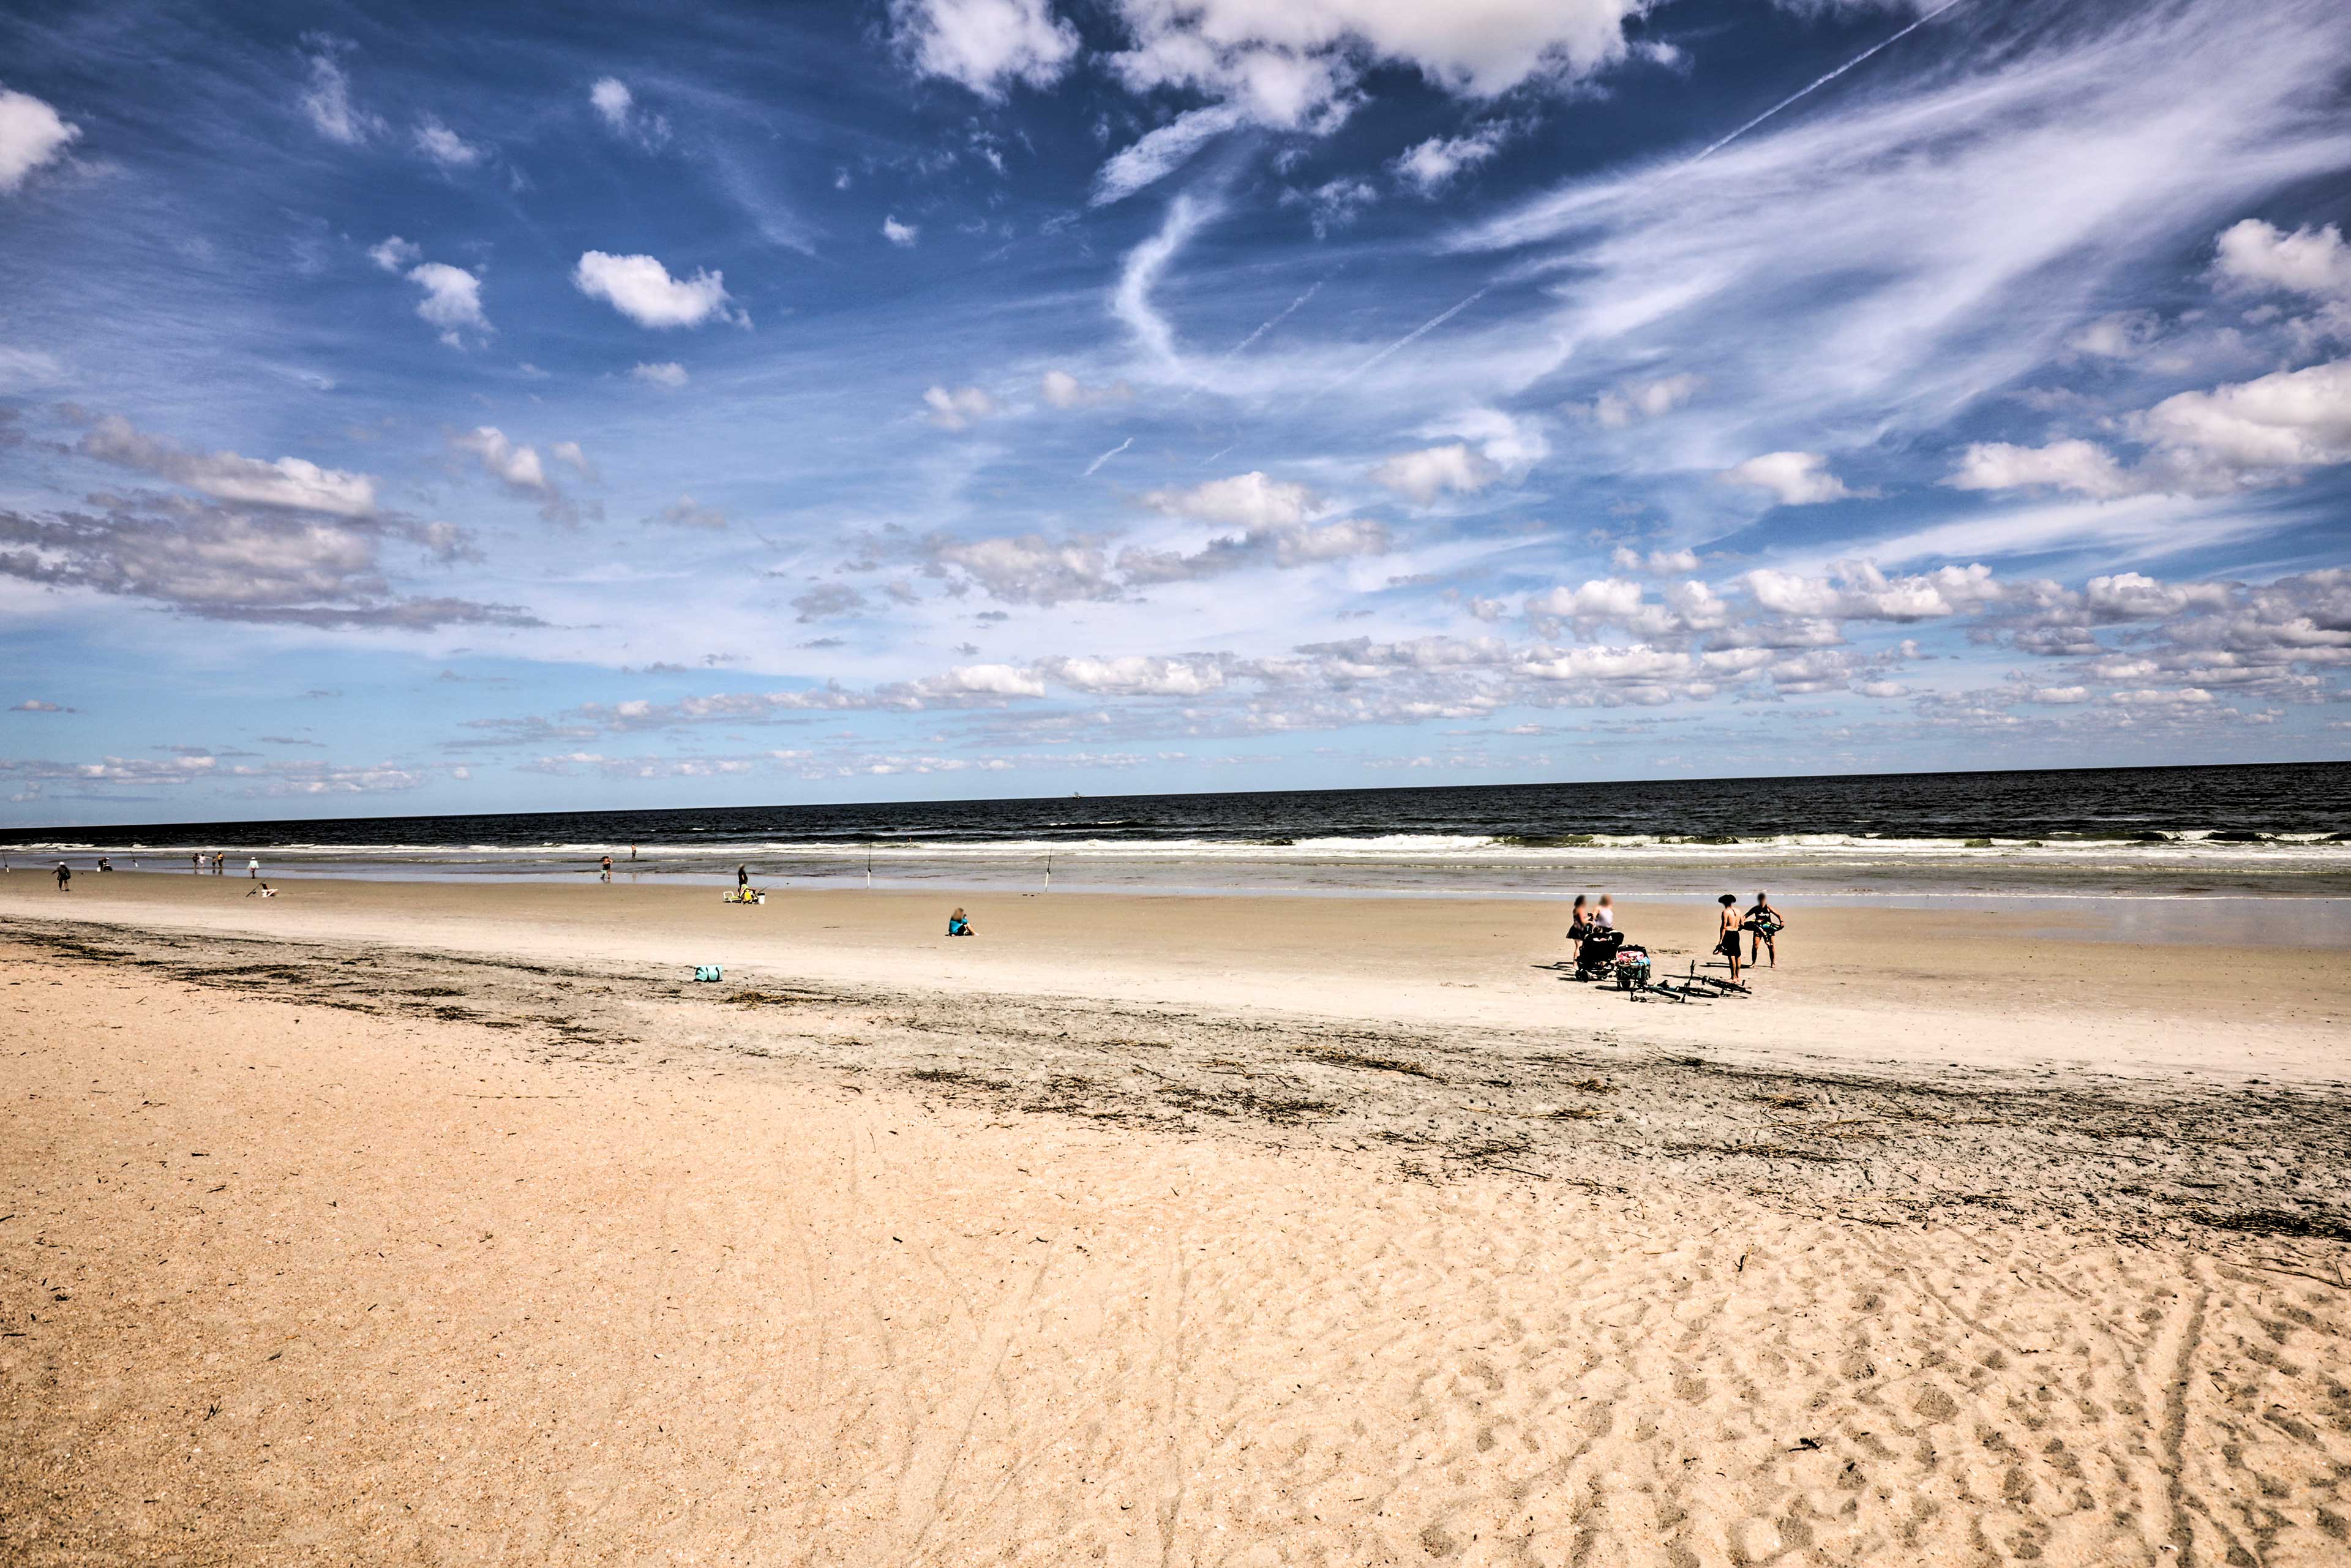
[289,482]
[1421,476]
[1247,500]
[31,134]
[35,705]
[1433,165]
[1860,591]
[1136,676]
[986,45]
[613,99]
[1648,398]
[2249,434]
[1657,563]
[2082,468]
[1029,569]
[2314,262]
[445,146]
[1131,301]
[958,409]
[1160,153]
[897,232]
[453,300]
[1285,61]
[504,460]
[668,373]
[2286,421]
[616,106]
[640,287]
[395,254]
[2118,335]
[1793,478]
[2054,165]
[569,452]
[328,100]
[1335,202]
[1063,390]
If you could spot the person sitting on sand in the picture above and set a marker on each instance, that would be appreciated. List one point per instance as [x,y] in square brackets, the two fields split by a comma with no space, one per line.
[264,891]
[1727,938]
[958,925]
[1764,923]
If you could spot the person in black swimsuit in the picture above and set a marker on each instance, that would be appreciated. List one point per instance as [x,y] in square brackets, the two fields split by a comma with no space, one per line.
[1727,941]
[1764,923]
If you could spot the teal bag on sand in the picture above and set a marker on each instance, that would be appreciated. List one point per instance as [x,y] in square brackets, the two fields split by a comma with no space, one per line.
[708,972]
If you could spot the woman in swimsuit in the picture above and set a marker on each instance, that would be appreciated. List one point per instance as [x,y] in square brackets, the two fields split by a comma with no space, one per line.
[1727,940]
[1765,923]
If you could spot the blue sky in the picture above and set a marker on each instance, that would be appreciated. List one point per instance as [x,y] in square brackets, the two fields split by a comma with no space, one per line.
[449,408]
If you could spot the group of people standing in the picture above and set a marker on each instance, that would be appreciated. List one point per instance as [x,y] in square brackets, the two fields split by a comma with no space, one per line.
[1760,924]
[218,865]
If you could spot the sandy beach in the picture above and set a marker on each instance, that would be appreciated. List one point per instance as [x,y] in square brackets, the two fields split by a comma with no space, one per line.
[457,1224]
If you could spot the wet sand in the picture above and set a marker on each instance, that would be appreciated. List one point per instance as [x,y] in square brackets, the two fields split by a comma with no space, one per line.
[375,1222]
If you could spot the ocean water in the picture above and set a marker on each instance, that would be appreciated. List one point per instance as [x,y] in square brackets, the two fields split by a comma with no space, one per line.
[2255,830]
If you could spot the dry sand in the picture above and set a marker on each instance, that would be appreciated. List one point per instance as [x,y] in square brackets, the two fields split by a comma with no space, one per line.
[454,1225]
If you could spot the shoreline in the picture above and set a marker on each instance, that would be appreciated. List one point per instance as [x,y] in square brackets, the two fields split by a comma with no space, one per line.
[1965,986]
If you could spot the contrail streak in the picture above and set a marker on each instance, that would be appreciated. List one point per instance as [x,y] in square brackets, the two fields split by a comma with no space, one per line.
[1815,87]
[1278,320]
[1106,457]
[1430,326]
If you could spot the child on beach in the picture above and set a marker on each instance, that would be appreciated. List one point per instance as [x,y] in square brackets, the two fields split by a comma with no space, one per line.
[958,925]
[1727,940]
[264,891]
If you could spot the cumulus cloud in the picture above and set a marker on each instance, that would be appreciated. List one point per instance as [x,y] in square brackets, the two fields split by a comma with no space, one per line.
[394,254]
[1063,390]
[2082,468]
[640,287]
[616,106]
[899,234]
[445,146]
[986,45]
[292,483]
[1422,476]
[2315,262]
[2267,430]
[667,373]
[1250,500]
[1026,568]
[231,563]
[327,100]
[1136,676]
[1431,165]
[519,468]
[1860,591]
[2118,335]
[958,409]
[453,301]
[1651,397]
[1658,562]
[31,134]
[1793,478]
[1335,202]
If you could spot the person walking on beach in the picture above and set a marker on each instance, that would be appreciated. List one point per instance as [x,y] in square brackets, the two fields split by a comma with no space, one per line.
[196,860]
[1764,923]
[1727,938]
[65,877]
[742,877]
[253,867]
[606,875]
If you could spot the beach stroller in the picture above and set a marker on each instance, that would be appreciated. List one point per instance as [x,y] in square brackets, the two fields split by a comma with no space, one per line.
[1595,956]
